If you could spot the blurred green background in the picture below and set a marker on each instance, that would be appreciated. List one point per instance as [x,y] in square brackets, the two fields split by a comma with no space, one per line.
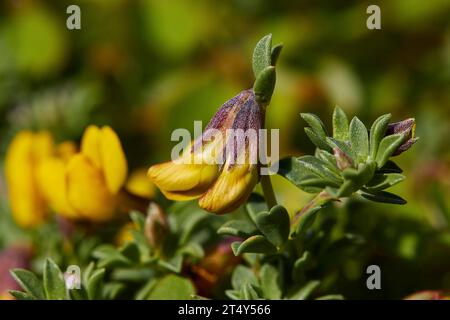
[148,67]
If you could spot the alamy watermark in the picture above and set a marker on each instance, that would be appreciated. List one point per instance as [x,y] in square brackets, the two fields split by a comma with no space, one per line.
[230,146]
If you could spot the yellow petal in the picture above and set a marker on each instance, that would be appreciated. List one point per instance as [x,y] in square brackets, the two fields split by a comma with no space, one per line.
[43,145]
[87,191]
[139,184]
[114,162]
[231,189]
[90,145]
[52,181]
[66,150]
[26,201]
[175,177]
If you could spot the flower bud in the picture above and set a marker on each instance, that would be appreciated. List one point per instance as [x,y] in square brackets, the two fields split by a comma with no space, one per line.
[343,161]
[156,226]
[406,127]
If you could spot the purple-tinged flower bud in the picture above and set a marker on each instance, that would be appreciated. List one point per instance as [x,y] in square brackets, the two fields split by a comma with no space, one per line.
[407,127]
[343,161]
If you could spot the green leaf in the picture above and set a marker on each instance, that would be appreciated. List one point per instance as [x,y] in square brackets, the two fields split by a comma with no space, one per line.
[193,224]
[172,287]
[384,181]
[262,55]
[235,247]
[377,132]
[319,141]
[341,145]
[54,283]
[387,147]
[29,282]
[390,167]
[274,225]
[131,251]
[248,292]
[316,124]
[306,221]
[256,244]
[241,275]
[144,292]
[265,84]
[270,282]
[275,53]
[305,291]
[384,197]
[19,295]
[113,289]
[340,124]
[331,297]
[329,160]
[233,294]
[291,169]
[94,284]
[174,264]
[301,265]
[318,168]
[361,176]
[359,139]
[238,228]
[109,256]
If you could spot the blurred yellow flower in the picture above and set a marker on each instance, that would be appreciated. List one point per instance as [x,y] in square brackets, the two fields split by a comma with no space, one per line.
[25,153]
[221,187]
[85,185]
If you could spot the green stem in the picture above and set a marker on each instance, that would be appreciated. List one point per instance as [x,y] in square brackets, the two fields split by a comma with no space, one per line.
[269,195]
[322,198]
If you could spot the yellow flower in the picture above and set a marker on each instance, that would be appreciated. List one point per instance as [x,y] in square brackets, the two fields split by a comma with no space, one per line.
[83,185]
[221,187]
[95,176]
[25,153]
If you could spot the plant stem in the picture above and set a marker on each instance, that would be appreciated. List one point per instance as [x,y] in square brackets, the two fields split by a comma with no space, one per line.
[319,200]
[269,195]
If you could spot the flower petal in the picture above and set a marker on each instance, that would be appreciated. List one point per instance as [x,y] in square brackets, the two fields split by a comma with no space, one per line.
[231,189]
[51,175]
[114,162]
[87,191]
[27,203]
[90,145]
[175,177]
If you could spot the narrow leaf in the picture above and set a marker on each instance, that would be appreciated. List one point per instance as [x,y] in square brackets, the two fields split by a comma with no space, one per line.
[256,244]
[387,147]
[29,282]
[340,124]
[377,132]
[54,283]
[262,57]
[239,228]
[359,139]
[384,197]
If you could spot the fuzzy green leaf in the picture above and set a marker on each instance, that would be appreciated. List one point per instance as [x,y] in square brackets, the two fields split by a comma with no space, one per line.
[238,228]
[315,123]
[377,132]
[306,221]
[319,141]
[256,244]
[270,282]
[265,84]
[172,287]
[383,181]
[94,284]
[275,53]
[19,295]
[341,145]
[241,275]
[262,55]
[305,291]
[248,292]
[274,225]
[54,283]
[29,282]
[340,124]
[387,147]
[359,139]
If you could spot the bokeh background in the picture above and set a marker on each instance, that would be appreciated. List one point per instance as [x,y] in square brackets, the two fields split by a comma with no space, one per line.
[147,67]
